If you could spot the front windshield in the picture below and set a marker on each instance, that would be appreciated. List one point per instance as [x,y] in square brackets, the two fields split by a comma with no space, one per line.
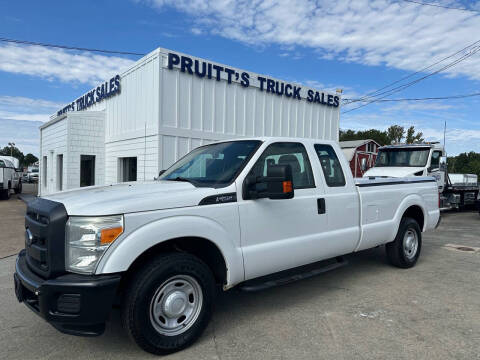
[212,165]
[402,157]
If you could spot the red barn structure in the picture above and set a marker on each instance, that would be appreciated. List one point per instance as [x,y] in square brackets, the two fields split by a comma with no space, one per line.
[361,154]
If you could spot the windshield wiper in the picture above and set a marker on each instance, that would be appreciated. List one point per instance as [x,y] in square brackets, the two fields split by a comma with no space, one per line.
[181,178]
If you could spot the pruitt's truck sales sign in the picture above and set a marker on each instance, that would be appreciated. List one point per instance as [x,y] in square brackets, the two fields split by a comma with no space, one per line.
[203,69]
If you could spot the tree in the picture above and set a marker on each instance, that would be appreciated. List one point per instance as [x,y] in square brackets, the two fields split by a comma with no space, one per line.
[374,134]
[412,137]
[29,159]
[25,160]
[396,133]
[465,163]
[15,152]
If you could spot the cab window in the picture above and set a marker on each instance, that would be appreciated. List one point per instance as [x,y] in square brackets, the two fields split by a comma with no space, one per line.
[293,154]
[332,170]
[2,164]
[435,162]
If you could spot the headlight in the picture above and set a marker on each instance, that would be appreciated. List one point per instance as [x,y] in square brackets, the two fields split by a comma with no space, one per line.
[87,238]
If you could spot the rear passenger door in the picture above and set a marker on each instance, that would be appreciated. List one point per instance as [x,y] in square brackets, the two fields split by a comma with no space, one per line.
[341,199]
[281,234]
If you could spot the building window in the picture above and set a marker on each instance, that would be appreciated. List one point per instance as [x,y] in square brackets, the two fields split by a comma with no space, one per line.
[60,172]
[44,177]
[127,169]
[371,147]
[87,170]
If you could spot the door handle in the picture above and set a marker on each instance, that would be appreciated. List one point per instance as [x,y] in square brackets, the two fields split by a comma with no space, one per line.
[321,206]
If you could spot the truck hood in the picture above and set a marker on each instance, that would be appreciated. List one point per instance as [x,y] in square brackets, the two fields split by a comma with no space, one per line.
[130,197]
[392,171]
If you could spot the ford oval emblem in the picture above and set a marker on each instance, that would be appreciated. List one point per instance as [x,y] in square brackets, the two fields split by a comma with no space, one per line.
[28,237]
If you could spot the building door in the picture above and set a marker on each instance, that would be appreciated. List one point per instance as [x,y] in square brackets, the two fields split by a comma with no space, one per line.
[127,169]
[87,170]
[60,172]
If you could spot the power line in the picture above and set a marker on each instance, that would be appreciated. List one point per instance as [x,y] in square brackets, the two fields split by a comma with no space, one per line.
[15,41]
[430,98]
[404,86]
[441,6]
[376,92]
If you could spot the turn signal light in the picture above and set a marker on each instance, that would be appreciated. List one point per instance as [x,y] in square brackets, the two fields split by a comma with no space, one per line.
[109,235]
[287,187]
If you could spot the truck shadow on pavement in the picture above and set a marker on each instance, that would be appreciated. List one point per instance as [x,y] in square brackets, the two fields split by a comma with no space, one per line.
[236,308]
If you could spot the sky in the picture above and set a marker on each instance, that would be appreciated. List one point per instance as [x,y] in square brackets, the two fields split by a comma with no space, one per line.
[356,45]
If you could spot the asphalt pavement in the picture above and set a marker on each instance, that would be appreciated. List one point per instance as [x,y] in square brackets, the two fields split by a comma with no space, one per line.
[365,310]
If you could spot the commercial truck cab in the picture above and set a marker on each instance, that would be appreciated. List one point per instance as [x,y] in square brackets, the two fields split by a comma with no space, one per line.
[425,159]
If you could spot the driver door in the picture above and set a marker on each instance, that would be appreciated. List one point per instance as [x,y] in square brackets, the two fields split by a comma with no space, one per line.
[435,169]
[280,234]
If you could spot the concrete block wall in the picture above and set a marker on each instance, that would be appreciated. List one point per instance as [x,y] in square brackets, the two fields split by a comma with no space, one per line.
[86,136]
[144,148]
[53,143]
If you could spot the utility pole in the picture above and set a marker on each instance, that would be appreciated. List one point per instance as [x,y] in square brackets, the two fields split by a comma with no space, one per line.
[11,144]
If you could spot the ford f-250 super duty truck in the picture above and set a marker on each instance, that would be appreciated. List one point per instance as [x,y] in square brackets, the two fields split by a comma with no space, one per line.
[226,213]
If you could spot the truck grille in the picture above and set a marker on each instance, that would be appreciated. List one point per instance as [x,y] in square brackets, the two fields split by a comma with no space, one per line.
[45,222]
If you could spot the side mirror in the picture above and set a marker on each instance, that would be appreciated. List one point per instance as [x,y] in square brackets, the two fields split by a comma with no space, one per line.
[443,163]
[279,181]
[432,168]
[278,184]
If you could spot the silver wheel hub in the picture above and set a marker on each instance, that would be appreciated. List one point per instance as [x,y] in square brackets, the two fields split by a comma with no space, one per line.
[410,243]
[176,305]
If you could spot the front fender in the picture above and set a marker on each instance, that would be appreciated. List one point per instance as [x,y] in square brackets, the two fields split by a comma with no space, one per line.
[125,250]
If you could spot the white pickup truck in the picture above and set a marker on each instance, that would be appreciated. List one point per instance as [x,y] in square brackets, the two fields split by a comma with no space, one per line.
[10,177]
[230,213]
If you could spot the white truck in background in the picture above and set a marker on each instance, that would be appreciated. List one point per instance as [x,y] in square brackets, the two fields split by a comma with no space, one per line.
[427,159]
[10,177]
[232,213]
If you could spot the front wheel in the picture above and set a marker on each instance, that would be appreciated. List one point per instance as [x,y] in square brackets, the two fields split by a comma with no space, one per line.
[168,303]
[404,251]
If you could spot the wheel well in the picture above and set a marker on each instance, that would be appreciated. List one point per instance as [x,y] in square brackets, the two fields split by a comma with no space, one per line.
[204,249]
[416,213]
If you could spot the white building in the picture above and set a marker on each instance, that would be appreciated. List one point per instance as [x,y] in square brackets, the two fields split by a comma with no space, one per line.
[166,104]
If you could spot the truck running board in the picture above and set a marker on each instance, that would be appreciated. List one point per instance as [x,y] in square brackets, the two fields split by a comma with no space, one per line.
[292,275]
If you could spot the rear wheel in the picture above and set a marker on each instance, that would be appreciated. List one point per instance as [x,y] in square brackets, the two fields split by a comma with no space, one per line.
[168,303]
[404,251]
[18,190]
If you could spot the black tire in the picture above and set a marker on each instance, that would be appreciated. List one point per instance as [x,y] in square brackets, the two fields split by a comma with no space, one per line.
[144,287]
[18,190]
[400,255]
